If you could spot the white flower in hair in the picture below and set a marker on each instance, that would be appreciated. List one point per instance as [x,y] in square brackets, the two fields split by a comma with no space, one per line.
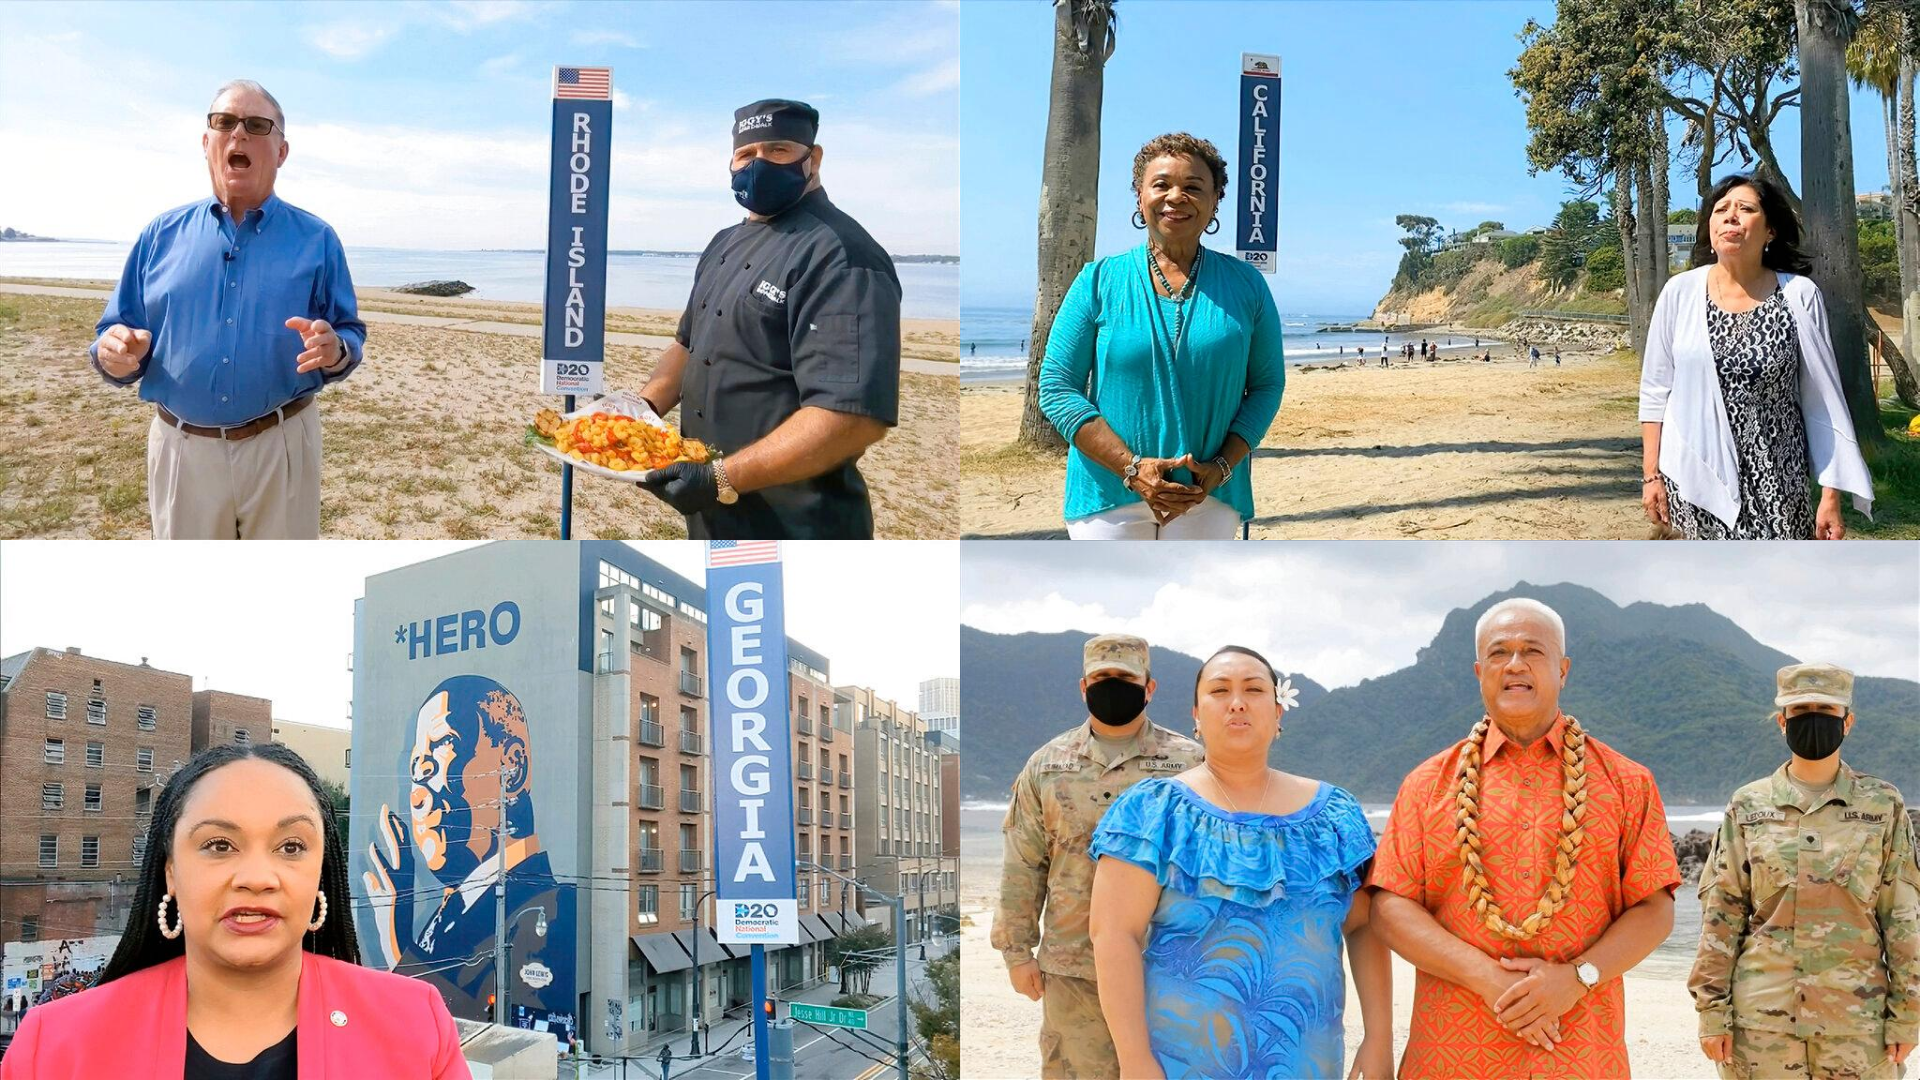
[1287,694]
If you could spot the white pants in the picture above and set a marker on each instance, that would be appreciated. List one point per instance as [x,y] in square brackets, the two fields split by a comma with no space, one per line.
[1211,520]
[263,488]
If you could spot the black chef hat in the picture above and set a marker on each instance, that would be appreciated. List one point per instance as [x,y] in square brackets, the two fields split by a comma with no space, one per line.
[775,119]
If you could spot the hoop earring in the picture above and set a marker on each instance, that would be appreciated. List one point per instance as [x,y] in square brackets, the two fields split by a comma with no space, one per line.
[1213,226]
[161,917]
[1139,220]
[321,919]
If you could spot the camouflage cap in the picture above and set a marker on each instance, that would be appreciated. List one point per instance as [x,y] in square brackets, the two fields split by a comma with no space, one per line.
[1122,651]
[1821,684]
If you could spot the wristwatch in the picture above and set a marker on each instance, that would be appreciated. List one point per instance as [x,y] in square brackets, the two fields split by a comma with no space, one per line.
[724,492]
[1226,468]
[1132,470]
[1588,975]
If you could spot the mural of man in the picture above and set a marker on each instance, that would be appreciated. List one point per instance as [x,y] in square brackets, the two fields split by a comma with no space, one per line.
[470,818]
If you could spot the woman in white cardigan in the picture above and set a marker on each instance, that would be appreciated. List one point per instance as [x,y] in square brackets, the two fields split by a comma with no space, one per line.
[1740,399]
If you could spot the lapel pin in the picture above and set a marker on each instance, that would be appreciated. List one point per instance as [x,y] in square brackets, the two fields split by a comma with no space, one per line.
[339,1018]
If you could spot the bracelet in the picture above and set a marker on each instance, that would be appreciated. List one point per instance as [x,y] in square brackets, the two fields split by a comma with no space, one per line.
[1649,480]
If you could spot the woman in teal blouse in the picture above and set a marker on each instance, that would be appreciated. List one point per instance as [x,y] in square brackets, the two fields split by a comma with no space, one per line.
[1164,367]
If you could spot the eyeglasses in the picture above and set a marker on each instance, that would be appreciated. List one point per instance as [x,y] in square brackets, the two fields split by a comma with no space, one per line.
[256,125]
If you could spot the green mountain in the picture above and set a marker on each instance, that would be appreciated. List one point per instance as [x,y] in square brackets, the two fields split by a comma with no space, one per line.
[1019,690]
[1682,690]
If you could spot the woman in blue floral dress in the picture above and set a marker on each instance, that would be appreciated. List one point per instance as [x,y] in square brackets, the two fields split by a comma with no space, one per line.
[1222,900]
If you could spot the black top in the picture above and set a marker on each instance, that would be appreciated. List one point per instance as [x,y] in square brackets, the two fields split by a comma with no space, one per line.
[276,1062]
[800,310]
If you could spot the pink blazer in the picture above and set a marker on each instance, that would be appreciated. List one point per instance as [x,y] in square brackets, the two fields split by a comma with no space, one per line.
[136,1027]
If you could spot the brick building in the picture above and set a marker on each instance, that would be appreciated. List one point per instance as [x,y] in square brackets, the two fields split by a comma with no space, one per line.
[85,746]
[898,820]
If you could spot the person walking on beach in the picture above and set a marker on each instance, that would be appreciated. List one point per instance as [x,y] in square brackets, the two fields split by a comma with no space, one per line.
[1520,955]
[1809,962]
[1740,396]
[1184,353]
[232,313]
[1556,356]
[1058,799]
[787,358]
[1533,358]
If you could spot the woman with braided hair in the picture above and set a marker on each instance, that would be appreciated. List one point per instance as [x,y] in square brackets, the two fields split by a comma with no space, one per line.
[239,959]
[1222,899]
[1524,870]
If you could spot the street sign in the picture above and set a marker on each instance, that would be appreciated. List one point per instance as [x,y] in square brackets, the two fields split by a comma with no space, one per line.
[827,1015]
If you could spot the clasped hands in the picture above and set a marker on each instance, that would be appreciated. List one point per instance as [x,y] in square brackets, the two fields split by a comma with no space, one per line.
[1168,498]
[1528,996]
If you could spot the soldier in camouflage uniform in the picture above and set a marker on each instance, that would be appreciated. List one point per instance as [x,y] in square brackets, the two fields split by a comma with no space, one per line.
[1809,963]
[1057,800]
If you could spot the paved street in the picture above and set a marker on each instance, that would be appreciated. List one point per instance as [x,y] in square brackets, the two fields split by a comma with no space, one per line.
[819,1053]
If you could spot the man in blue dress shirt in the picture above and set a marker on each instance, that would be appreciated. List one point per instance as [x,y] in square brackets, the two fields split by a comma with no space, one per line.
[231,314]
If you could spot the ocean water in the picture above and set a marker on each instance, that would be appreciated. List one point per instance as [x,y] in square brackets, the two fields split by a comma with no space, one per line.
[927,290]
[980,853]
[994,341]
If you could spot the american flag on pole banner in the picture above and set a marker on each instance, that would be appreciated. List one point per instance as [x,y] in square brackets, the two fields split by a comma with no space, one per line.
[741,552]
[586,84]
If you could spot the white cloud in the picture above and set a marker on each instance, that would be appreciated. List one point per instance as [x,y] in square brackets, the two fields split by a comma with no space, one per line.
[605,37]
[500,65]
[942,76]
[622,101]
[465,15]
[1474,208]
[1346,611]
[349,40]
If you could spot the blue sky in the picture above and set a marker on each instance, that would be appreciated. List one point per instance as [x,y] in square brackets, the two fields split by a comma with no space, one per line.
[1388,108]
[426,124]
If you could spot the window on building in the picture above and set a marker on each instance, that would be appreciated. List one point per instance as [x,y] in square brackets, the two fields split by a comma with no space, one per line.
[96,711]
[346,761]
[649,897]
[56,705]
[56,752]
[687,895]
[29,928]
[89,851]
[143,759]
[689,661]
[139,848]
[143,800]
[241,737]
[825,896]
[148,717]
[93,797]
[96,755]
[49,850]
[53,796]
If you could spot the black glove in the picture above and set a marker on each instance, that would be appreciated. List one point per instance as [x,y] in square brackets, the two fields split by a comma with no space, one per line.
[686,486]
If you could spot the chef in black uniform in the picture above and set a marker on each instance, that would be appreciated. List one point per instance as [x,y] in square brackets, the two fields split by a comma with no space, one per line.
[787,360]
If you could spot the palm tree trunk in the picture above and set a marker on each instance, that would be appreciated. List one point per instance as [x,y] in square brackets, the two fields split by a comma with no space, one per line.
[1069,193]
[1906,212]
[1832,232]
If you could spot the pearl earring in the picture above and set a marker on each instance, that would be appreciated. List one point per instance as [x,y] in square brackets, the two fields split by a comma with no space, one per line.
[169,934]
[320,919]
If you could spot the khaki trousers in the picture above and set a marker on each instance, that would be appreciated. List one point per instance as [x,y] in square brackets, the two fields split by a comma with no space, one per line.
[263,488]
[1074,1041]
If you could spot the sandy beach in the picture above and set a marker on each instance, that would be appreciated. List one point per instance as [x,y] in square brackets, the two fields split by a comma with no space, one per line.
[1455,448]
[999,1028]
[425,439]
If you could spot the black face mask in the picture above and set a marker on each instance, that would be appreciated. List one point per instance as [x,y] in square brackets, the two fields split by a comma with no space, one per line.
[1115,702]
[1816,736]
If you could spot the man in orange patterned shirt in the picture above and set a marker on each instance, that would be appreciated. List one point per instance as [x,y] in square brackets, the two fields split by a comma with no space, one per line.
[1524,871]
